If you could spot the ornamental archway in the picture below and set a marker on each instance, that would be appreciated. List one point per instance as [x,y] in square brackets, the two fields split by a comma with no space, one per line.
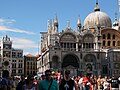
[90,63]
[71,62]
[55,63]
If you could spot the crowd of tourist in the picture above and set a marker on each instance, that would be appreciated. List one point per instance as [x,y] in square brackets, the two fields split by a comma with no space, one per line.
[56,81]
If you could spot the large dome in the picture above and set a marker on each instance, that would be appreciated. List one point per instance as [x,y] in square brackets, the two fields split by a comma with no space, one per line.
[97,18]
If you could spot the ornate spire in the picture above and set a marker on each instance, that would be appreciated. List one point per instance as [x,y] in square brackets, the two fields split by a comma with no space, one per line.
[116,14]
[55,24]
[56,20]
[116,23]
[79,23]
[49,26]
[97,8]
[6,38]
[68,24]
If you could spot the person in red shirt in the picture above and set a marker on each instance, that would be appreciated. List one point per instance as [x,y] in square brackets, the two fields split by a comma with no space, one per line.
[86,82]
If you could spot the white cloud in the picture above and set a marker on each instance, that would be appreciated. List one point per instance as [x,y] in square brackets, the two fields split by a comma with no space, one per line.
[22,43]
[28,46]
[6,21]
[4,27]
[33,53]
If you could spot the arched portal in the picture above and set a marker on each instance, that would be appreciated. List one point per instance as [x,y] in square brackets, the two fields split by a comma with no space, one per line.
[55,63]
[71,62]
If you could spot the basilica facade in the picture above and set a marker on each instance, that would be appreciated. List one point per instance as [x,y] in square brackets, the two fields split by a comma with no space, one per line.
[93,47]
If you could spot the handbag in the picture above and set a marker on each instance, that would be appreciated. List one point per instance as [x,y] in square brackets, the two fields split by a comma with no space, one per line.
[50,84]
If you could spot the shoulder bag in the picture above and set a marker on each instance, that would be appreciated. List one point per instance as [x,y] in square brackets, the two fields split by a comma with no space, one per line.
[50,84]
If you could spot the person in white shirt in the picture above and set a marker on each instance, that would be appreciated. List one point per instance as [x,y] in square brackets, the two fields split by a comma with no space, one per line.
[106,84]
[80,84]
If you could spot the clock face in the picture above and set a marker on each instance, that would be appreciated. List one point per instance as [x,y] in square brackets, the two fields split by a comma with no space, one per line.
[6,63]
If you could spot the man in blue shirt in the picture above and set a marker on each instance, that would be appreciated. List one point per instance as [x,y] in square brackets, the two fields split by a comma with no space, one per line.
[48,83]
[5,82]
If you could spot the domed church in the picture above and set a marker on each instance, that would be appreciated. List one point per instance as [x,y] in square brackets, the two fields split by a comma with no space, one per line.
[92,48]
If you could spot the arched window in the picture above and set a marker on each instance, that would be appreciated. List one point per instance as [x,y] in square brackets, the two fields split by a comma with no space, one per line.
[81,56]
[108,36]
[113,37]
[103,43]
[103,36]
[113,43]
[109,43]
[118,43]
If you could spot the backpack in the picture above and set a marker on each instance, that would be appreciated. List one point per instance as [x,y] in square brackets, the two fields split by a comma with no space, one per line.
[66,84]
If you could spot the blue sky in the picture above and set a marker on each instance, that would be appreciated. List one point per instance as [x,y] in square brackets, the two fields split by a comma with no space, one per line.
[23,20]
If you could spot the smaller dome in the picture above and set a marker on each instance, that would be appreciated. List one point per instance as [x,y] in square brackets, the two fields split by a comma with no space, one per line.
[116,23]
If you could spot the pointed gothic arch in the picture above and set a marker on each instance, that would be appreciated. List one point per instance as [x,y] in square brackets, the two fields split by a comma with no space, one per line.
[70,60]
[55,62]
